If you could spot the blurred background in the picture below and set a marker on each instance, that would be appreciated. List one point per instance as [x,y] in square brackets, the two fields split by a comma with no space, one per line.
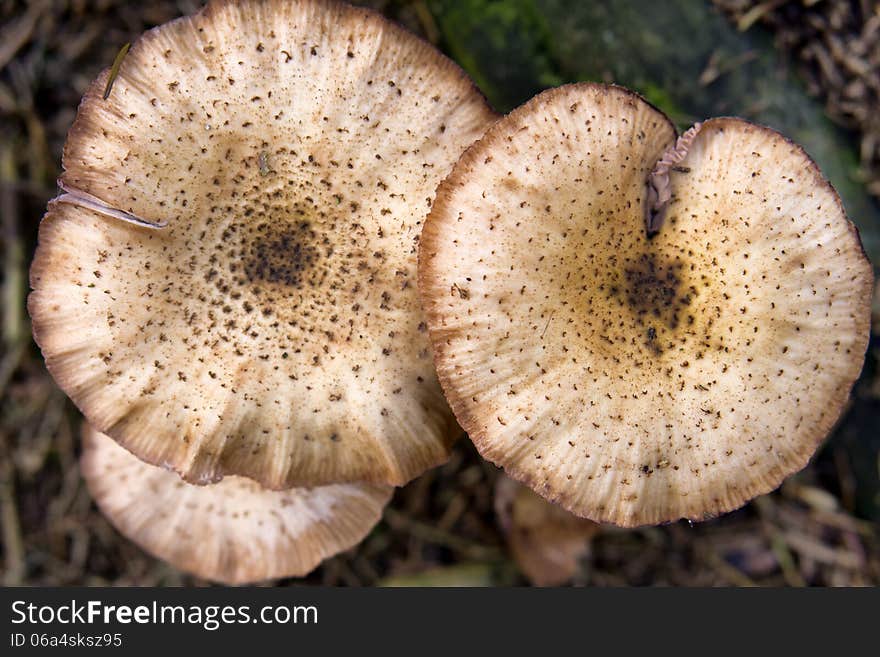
[808,68]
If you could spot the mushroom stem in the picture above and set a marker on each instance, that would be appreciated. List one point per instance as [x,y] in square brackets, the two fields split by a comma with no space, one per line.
[659,193]
[86,200]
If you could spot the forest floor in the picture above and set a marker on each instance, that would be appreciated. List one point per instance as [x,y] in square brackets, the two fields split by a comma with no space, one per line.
[442,528]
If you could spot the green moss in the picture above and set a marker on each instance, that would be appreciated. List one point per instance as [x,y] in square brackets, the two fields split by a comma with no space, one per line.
[505,46]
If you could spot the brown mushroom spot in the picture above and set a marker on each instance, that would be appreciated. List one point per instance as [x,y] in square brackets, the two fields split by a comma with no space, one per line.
[281,253]
[653,290]
[623,297]
[655,294]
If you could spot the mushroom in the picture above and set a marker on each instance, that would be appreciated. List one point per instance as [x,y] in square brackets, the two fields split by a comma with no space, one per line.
[233,531]
[548,543]
[228,285]
[638,380]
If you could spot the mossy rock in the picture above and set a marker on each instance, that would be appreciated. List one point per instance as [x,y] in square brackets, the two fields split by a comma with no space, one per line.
[682,55]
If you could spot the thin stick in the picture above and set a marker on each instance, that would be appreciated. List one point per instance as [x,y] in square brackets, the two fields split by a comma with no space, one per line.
[86,200]
[547,325]
[13,260]
[432,534]
[114,70]
[13,547]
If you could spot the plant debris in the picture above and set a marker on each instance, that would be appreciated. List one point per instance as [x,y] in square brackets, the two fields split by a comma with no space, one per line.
[837,48]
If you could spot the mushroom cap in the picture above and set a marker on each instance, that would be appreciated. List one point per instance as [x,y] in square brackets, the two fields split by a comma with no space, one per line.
[547,542]
[272,328]
[638,381]
[233,531]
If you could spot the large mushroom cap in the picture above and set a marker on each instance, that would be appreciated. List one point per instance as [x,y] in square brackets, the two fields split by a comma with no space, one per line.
[635,380]
[272,328]
[233,531]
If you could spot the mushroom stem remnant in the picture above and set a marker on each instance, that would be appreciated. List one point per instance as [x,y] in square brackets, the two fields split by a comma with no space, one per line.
[86,200]
[659,193]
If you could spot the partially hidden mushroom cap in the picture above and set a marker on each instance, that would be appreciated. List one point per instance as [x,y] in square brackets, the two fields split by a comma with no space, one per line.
[635,380]
[548,543]
[233,531]
[271,328]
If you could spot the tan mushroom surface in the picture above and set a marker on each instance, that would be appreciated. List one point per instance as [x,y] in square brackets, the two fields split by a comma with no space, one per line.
[634,380]
[233,531]
[548,543]
[272,327]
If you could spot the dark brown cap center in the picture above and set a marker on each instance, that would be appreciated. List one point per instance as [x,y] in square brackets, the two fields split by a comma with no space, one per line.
[282,253]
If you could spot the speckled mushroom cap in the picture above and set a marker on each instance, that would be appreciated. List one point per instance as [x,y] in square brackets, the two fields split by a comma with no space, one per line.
[272,329]
[639,381]
[233,531]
